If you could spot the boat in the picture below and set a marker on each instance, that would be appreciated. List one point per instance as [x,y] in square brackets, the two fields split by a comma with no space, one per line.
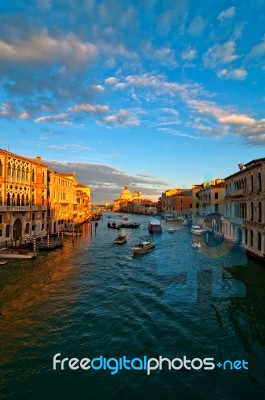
[185,222]
[71,233]
[7,252]
[122,238]
[171,229]
[143,247]
[196,230]
[113,225]
[154,226]
[3,262]
[196,245]
[129,225]
[51,245]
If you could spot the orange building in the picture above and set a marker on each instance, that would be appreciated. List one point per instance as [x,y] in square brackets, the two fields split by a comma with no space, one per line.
[23,197]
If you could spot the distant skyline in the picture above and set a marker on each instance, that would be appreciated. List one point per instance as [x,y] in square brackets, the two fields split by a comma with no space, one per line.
[150,94]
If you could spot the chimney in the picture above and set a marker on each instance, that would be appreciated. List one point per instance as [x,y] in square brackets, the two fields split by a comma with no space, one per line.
[38,159]
[241,165]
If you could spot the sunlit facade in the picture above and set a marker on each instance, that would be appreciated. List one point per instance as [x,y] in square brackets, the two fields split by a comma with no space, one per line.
[245,207]
[23,197]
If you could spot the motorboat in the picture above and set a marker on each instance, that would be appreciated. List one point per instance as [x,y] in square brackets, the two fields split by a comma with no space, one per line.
[196,230]
[3,262]
[7,252]
[122,238]
[154,226]
[171,229]
[185,222]
[143,247]
[196,245]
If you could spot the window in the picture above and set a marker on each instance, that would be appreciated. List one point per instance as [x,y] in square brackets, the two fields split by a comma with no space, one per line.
[7,230]
[259,241]
[216,196]
[1,219]
[259,182]
[1,168]
[251,183]
[252,212]
[259,211]
[251,238]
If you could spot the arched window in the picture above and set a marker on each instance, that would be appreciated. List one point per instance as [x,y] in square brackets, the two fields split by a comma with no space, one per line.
[8,199]
[251,238]
[18,200]
[27,200]
[33,200]
[33,176]
[259,182]
[1,168]
[9,169]
[259,241]
[252,212]
[13,200]
[251,183]
[22,200]
[259,211]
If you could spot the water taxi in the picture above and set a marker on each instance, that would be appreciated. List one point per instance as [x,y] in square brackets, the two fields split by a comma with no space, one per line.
[154,226]
[143,247]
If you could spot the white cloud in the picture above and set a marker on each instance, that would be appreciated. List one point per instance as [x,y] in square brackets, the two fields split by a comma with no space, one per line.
[236,73]
[221,115]
[259,49]
[51,118]
[10,110]
[254,134]
[89,108]
[123,118]
[111,81]
[189,55]
[226,14]
[220,54]
[97,88]
[236,119]
[196,26]
[42,48]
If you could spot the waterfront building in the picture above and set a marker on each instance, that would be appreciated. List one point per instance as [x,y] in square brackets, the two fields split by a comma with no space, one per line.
[68,202]
[23,197]
[211,197]
[195,199]
[177,200]
[244,220]
[83,213]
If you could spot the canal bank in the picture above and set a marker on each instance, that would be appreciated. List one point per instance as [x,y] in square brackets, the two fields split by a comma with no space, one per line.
[92,299]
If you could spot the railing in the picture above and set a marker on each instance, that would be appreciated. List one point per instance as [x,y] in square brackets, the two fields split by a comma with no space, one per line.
[15,208]
[237,193]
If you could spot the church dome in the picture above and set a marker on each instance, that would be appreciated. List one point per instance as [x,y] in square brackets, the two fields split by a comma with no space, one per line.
[125,193]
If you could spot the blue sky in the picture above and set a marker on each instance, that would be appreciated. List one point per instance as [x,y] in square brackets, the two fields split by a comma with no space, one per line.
[152,94]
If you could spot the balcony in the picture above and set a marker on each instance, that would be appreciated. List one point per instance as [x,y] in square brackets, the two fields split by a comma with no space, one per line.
[15,208]
[238,193]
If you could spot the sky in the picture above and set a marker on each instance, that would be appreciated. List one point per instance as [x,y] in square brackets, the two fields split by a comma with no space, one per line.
[152,94]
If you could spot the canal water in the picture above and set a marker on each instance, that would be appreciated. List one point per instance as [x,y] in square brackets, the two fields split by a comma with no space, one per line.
[92,299]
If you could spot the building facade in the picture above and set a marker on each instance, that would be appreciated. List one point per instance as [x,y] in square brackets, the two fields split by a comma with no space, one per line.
[177,200]
[244,220]
[211,197]
[23,197]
